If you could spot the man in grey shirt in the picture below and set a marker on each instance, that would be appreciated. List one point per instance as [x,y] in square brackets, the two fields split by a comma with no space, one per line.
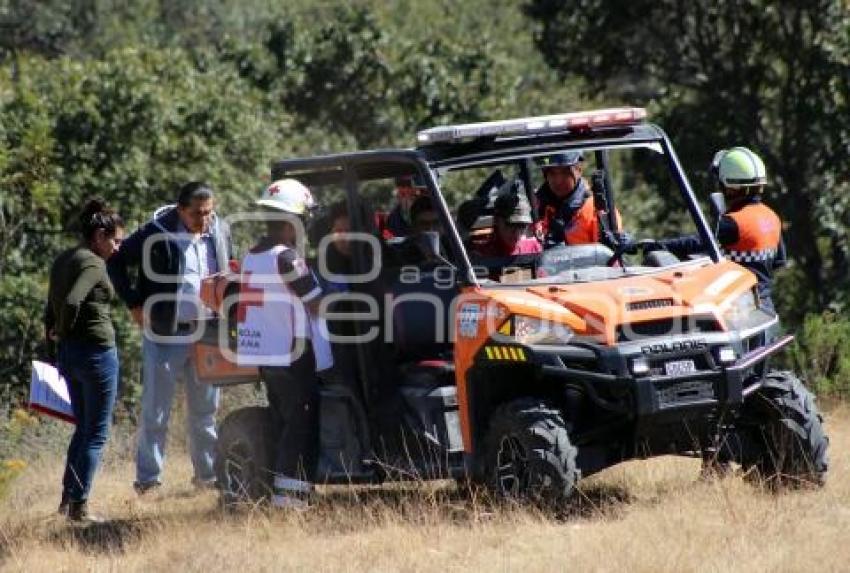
[186,243]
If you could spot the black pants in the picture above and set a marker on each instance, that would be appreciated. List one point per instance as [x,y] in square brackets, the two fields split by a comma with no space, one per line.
[293,394]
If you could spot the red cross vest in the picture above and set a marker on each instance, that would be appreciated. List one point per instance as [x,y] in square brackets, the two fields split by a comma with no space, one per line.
[270,318]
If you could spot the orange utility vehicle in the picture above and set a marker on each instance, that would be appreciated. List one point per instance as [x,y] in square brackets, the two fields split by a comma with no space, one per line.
[528,372]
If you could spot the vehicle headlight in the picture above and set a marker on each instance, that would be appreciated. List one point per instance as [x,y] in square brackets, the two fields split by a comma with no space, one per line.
[528,330]
[744,313]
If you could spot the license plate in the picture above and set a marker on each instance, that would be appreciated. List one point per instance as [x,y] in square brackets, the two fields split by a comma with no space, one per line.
[679,367]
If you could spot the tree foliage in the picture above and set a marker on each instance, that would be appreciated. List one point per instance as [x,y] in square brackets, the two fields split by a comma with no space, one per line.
[349,76]
[127,101]
[130,99]
[131,127]
[769,75]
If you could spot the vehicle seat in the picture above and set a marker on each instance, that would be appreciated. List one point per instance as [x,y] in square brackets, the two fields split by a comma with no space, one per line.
[421,325]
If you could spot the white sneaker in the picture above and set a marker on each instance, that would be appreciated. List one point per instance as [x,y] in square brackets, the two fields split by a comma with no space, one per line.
[289,502]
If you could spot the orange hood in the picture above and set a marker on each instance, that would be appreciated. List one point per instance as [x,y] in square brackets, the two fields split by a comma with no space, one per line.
[597,308]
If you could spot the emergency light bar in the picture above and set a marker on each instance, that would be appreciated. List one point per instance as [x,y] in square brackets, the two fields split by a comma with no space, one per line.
[531,125]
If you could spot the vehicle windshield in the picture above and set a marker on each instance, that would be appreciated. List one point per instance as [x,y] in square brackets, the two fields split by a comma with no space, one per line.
[573,216]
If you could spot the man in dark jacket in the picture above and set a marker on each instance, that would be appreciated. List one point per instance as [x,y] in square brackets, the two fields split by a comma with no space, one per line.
[172,253]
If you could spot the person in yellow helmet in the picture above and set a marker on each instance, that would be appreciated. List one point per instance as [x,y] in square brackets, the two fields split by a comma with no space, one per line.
[749,232]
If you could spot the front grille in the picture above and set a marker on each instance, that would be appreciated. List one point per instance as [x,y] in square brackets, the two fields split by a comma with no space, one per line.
[649,304]
[666,327]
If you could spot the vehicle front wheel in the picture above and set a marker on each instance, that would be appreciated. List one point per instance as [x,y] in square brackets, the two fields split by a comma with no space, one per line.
[243,458]
[528,453]
[782,434]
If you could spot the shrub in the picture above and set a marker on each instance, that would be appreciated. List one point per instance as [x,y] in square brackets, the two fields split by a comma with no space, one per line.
[21,332]
[9,470]
[818,354]
[20,424]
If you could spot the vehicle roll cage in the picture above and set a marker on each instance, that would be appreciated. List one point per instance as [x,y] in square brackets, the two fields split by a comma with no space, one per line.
[348,169]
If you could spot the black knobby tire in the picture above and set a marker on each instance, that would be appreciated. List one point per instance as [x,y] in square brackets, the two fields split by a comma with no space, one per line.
[243,457]
[782,434]
[528,453]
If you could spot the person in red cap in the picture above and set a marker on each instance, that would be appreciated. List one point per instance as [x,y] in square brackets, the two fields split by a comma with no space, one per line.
[511,220]
[399,223]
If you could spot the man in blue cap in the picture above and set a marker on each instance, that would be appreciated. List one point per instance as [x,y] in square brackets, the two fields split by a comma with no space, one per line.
[565,206]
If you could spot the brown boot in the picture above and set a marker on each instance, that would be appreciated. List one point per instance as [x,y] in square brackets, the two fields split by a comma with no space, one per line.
[78,512]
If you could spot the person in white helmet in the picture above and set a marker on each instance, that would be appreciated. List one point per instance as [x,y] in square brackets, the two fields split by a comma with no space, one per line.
[279,330]
[749,232]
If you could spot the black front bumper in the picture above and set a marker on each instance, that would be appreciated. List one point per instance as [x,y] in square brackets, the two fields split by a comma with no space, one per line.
[658,396]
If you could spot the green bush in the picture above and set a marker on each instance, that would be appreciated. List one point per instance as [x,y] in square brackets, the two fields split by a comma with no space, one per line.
[21,332]
[131,128]
[819,354]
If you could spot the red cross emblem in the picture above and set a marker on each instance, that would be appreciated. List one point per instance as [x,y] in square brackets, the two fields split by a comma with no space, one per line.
[274,190]
[248,296]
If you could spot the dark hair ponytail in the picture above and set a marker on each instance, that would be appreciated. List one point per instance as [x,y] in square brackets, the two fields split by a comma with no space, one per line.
[97,215]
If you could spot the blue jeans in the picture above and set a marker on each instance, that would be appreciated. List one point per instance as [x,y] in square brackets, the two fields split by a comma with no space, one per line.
[164,365]
[91,372]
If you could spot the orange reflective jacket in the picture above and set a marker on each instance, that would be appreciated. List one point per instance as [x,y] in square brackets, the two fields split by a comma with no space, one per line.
[572,220]
[759,234]
[584,227]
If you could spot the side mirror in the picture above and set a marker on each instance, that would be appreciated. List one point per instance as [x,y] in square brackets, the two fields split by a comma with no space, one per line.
[718,205]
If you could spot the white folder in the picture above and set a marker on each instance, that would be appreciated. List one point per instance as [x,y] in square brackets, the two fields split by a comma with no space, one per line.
[49,392]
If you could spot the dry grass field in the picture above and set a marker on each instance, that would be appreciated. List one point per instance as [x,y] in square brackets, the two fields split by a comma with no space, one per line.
[642,516]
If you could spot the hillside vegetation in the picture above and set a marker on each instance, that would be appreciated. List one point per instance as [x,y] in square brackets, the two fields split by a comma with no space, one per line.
[128,101]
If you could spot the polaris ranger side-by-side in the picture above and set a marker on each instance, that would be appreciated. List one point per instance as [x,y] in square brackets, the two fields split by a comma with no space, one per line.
[528,373]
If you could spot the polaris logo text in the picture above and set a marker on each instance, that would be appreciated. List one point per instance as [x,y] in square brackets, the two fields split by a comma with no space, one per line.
[669,347]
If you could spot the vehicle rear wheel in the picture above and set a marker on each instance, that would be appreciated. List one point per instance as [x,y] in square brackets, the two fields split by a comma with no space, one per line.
[782,435]
[528,453]
[243,457]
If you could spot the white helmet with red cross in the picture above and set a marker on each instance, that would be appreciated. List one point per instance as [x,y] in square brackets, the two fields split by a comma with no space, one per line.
[288,195]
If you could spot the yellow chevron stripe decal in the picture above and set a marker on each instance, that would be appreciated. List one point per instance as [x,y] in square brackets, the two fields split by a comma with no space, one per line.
[509,353]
